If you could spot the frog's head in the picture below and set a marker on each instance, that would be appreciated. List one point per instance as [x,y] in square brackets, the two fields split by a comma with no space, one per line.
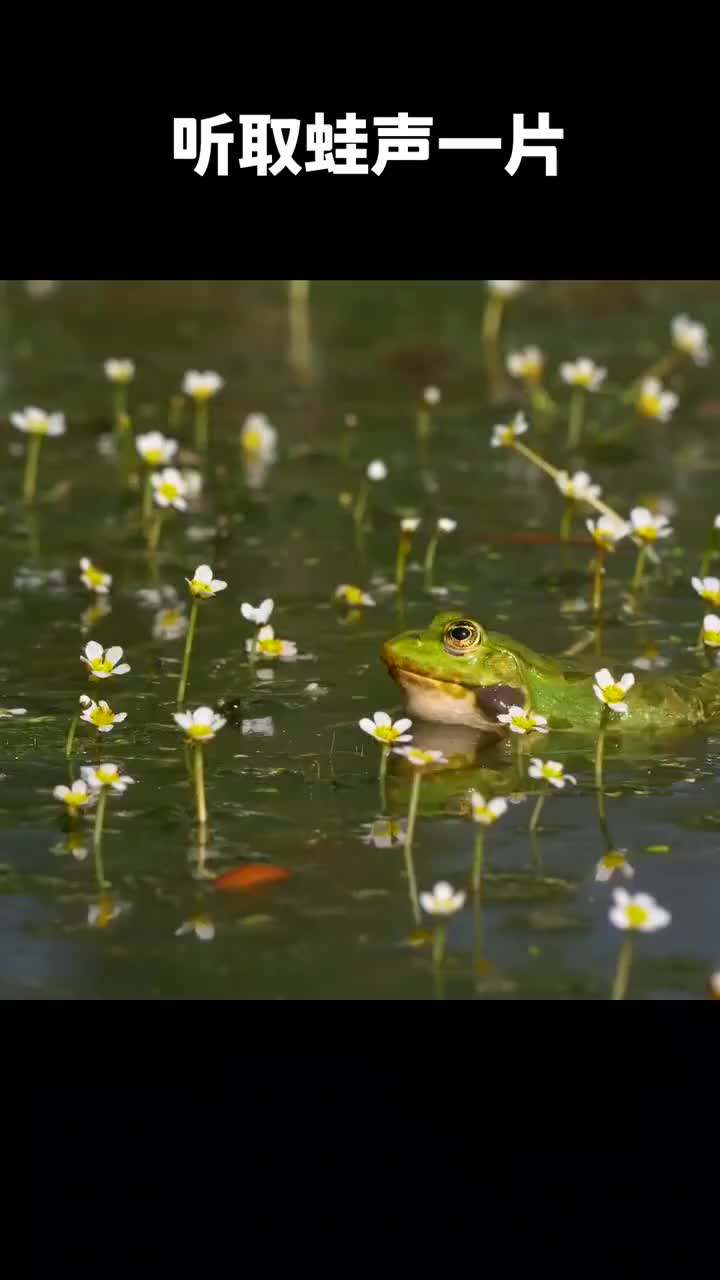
[459,673]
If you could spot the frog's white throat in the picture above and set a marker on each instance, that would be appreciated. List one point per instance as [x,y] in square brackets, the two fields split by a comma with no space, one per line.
[438,700]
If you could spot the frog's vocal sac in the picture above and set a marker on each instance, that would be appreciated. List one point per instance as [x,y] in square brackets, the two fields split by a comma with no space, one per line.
[456,672]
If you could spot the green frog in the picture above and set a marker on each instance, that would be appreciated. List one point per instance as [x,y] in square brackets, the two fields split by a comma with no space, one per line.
[457,673]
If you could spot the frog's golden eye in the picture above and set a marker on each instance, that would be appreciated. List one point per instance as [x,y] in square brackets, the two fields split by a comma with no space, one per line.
[462,636]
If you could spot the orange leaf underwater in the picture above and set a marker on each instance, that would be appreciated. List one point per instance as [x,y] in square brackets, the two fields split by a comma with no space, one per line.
[250,875]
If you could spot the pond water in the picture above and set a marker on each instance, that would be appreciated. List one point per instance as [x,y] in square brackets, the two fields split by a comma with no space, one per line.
[291,780]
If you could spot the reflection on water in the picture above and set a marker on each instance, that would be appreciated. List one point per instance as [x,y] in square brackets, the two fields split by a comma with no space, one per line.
[291,781]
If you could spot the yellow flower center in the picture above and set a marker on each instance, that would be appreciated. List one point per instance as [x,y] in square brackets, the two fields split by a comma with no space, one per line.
[100,716]
[552,773]
[353,595]
[532,370]
[75,798]
[508,435]
[635,915]
[201,393]
[169,490]
[154,456]
[523,722]
[101,664]
[711,637]
[386,732]
[647,532]
[712,596]
[649,404]
[104,915]
[252,441]
[107,775]
[270,645]
[604,539]
[582,379]
[168,618]
[199,588]
[199,730]
[612,861]
[613,693]
[95,577]
[39,427]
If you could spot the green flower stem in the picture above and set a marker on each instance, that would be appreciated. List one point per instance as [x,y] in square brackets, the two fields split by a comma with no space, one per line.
[518,753]
[439,939]
[154,531]
[31,467]
[147,503]
[202,419]
[430,560]
[198,774]
[599,578]
[99,820]
[710,551]
[119,406]
[567,519]
[423,426]
[492,319]
[622,972]
[536,812]
[550,470]
[409,834]
[540,400]
[576,417]
[639,565]
[70,739]
[182,685]
[403,552]
[384,755]
[477,870]
[599,761]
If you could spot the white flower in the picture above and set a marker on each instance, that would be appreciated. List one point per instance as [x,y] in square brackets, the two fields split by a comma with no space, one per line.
[612,862]
[200,725]
[711,630]
[691,337]
[607,531]
[432,395]
[103,662]
[653,402]
[119,370]
[486,811]
[716,522]
[36,422]
[551,770]
[263,726]
[647,527]
[650,659]
[170,624]
[314,689]
[106,775]
[715,985]
[38,289]
[419,758]
[506,288]
[446,525]
[201,926]
[95,579]
[259,437]
[266,644]
[521,721]
[201,386]
[637,911]
[383,833]
[612,694]
[12,711]
[170,489]
[99,714]
[382,728]
[579,487]
[203,584]
[353,595]
[709,589]
[259,615]
[443,901]
[75,797]
[409,524]
[350,420]
[376,470]
[528,364]
[155,448]
[505,433]
[193,481]
[101,914]
[583,373]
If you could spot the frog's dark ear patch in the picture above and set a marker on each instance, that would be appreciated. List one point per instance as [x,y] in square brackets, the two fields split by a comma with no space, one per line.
[496,699]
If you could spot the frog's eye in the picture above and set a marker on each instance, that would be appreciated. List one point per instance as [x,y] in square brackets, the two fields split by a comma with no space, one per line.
[462,637]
